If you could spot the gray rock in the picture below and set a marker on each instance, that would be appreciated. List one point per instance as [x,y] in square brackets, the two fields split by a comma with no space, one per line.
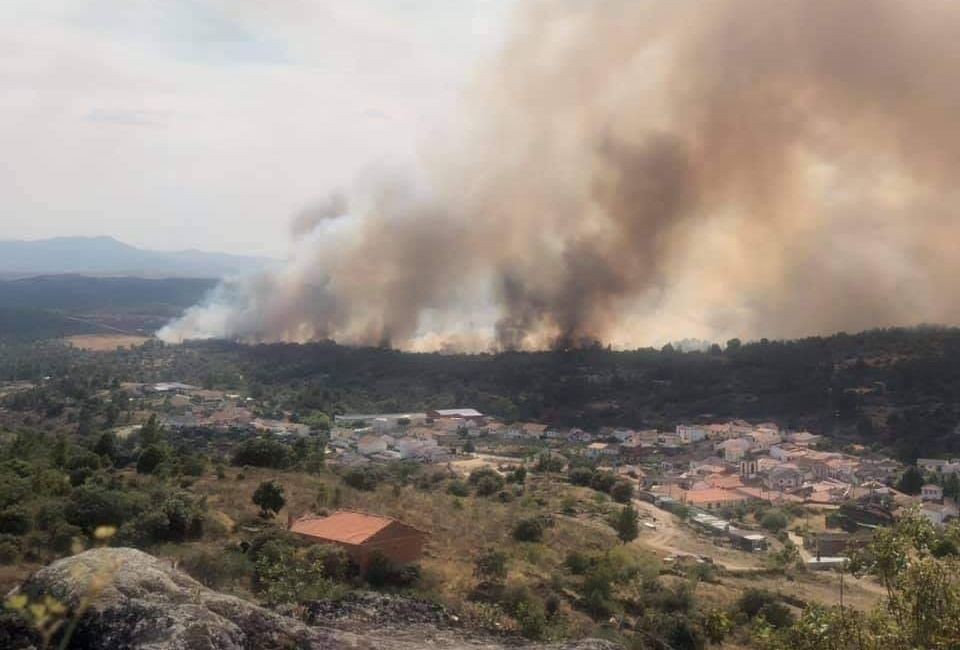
[127,599]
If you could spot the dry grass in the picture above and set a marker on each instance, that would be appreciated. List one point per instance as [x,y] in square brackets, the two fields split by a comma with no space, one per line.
[105,342]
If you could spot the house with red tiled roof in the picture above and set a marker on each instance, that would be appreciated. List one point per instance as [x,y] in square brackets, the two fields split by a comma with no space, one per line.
[711,498]
[362,535]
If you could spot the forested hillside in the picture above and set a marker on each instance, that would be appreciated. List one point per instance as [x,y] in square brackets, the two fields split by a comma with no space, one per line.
[899,388]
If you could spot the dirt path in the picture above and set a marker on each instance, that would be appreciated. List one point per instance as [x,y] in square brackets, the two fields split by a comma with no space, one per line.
[672,537]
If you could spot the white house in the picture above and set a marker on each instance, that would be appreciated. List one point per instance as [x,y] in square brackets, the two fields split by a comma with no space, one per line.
[598,449]
[622,434]
[931,492]
[734,449]
[690,433]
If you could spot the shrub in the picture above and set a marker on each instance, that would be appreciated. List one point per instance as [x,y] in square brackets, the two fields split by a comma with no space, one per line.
[51,482]
[262,452]
[362,479]
[90,506]
[13,489]
[458,488]
[9,553]
[752,601]
[528,610]
[193,465]
[578,563]
[15,520]
[216,569]
[269,498]
[487,481]
[603,481]
[489,485]
[490,566]
[381,572]
[622,491]
[774,520]
[528,530]
[62,537]
[550,463]
[580,476]
[333,560]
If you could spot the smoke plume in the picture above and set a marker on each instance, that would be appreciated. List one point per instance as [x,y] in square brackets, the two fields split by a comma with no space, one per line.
[637,171]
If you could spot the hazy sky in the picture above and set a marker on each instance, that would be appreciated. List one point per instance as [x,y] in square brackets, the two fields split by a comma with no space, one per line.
[209,123]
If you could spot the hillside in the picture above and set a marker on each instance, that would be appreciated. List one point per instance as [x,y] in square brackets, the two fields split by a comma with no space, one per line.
[57,306]
[107,256]
[899,387]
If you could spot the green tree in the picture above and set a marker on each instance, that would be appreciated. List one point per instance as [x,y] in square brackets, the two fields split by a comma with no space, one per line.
[151,433]
[269,498]
[626,524]
[150,458]
[106,445]
[910,481]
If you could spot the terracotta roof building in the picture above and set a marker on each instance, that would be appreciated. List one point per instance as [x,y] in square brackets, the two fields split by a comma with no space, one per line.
[362,535]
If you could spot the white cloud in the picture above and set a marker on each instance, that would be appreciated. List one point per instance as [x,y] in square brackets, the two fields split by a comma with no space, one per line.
[208,123]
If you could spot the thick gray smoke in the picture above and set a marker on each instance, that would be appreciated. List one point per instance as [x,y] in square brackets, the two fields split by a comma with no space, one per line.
[637,171]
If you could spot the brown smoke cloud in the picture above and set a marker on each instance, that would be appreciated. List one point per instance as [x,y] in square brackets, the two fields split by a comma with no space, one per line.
[641,170]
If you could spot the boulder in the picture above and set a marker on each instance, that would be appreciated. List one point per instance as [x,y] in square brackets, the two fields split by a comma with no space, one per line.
[121,598]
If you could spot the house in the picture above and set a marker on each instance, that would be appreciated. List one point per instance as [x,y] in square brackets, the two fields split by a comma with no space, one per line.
[363,535]
[938,466]
[727,482]
[623,435]
[784,477]
[601,449]
[371,445]
[786,451]
[632,451]
[746,540]
[763,439]
[410,447]
[931,492]
[463,414]
[832,544]
[579,435]
[713,498]
[931,465]
[734,449]
[804,438]
[690,433]
[939,513]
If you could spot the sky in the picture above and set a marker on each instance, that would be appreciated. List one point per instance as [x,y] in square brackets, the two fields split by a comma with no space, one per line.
[210,124]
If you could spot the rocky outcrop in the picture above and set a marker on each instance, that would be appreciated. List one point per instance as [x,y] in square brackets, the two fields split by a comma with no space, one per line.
[122,598]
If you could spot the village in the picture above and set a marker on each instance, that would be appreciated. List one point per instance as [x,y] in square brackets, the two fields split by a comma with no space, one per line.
[709,474]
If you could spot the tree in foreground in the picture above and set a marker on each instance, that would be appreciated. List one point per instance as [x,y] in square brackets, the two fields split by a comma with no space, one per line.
[626,524]
[269,498]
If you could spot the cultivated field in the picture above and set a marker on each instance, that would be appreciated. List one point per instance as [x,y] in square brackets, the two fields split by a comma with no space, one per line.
[106,342]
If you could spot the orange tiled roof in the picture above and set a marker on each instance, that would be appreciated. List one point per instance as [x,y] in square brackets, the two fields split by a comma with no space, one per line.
[344,527]
[713,495]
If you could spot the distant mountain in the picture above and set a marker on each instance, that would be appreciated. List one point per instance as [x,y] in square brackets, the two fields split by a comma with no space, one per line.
[107,256]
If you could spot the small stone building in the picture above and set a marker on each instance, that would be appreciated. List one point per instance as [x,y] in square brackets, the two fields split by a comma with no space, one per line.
[362,535]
